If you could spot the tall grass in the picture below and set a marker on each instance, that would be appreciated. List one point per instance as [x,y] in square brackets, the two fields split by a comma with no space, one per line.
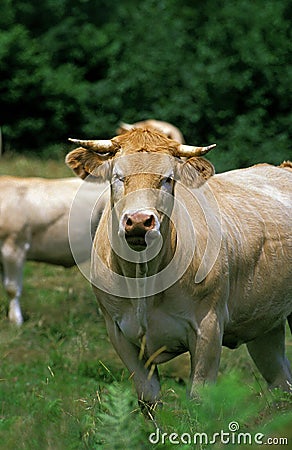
[228,404]
[63,388]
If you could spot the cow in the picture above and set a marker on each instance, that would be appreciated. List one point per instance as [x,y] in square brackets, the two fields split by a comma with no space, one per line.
[34,214]
[186,260]
[286,165]
[166,128]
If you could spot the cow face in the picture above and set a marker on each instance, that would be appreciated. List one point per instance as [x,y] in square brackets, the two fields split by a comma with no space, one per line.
[142,188]
[142,167]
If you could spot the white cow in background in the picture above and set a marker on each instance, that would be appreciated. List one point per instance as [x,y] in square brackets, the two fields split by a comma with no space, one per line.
[34,215]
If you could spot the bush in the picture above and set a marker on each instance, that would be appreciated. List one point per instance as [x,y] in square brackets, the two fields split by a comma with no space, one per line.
[78,68]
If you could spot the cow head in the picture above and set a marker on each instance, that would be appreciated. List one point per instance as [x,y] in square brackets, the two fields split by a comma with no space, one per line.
[142,167]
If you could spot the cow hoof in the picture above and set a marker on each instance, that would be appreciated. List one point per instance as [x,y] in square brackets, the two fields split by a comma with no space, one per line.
[15,317]
[17,323]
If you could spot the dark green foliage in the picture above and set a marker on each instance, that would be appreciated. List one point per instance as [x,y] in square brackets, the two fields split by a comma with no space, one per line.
[219,72]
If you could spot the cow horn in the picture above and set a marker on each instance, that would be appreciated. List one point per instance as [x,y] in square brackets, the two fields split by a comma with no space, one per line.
[189,150]
[126,126]
[100,146]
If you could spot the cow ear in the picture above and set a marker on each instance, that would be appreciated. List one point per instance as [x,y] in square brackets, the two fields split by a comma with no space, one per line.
[196,171]
[86,162]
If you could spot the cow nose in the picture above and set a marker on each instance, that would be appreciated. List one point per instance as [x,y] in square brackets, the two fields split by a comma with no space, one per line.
[139,223]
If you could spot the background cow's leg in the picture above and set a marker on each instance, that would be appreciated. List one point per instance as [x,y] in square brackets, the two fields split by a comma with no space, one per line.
[268,353]
[205,351]
[147,384]
[13,256]
[289,319]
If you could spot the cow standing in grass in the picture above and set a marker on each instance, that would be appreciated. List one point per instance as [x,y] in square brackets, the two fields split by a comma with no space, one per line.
[34,214]
[185,260]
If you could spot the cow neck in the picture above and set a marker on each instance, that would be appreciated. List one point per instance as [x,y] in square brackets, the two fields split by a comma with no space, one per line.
[143,272]
[140,303]
[145,282]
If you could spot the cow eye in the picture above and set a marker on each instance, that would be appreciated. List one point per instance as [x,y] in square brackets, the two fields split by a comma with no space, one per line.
[166,180]
[119,177]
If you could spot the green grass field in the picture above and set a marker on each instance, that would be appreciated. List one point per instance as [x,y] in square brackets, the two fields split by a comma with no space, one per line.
[62,387]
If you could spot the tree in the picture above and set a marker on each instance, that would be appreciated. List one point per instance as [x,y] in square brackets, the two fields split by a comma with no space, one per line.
[79,67]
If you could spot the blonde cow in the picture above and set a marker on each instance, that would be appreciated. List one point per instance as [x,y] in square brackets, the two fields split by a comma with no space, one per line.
[187,261]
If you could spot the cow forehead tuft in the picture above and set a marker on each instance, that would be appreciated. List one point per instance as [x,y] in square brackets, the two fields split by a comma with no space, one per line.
[147,141]
[153,163]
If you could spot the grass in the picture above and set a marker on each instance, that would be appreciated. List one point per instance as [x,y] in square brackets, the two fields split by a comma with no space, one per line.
[25,166]
[63,388]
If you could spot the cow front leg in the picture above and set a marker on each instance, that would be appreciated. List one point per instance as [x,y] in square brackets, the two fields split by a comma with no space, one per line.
[13,257]
[268,353]
[146,381]
[205,351]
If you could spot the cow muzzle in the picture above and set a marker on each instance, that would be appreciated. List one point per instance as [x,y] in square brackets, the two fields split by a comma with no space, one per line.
[140,228]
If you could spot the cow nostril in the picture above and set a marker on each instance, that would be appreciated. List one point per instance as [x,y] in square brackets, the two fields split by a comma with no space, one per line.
[149,222]
[138,223]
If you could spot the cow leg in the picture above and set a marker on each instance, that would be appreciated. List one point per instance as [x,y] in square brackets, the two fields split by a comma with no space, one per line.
[205,351]
[289,318]
[13,256]
[146,383]
[268,353]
